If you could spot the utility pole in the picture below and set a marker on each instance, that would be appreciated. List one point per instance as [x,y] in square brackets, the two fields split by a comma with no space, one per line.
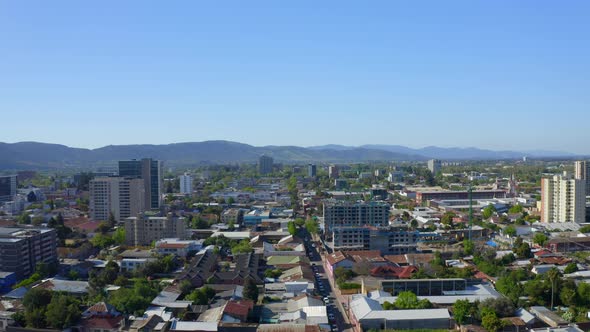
[470,192]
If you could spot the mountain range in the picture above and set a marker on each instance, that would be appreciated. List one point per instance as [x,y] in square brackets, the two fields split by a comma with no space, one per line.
[35,155]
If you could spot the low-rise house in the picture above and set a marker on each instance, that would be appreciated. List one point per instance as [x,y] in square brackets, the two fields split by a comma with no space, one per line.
[180,248]
[100,309]
[72,287]
[153,323]
[132,264]
[366,313]
[286,262]
[184,326]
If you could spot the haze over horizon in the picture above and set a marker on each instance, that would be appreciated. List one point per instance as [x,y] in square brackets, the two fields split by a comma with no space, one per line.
[306,74]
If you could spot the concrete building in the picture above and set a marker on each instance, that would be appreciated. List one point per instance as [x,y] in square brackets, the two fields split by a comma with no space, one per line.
[8,188]
[312,170]
[434,165]
[265,164]
[389,241]
[423,196]
[333,171]
[143,230]
[582,172]
[151,172]
[21,249]
[186,184]
[178,247]
[563,199]
[123,197]
[345,213]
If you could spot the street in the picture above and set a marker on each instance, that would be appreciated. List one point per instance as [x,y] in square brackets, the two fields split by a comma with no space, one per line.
[336,313]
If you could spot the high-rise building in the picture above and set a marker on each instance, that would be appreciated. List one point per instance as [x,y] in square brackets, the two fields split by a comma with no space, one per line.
[143,230]
[7,188]
[21,249]
[312,170]
[345,213]
[563,199]
[150,171]
[265,164]
[434,165]
[583,173]
[186,184]
[333,171]
[123,197]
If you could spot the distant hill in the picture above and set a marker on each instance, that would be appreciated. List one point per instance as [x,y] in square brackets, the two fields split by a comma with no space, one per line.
[33,155]
[471,153]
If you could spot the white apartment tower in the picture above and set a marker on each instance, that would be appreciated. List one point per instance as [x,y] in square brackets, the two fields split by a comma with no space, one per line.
[123,197]
[563,199]
[186,184]
[434,165]
[583,173]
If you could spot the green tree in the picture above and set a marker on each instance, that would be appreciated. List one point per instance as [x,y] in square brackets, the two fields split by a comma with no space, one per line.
[516,209]
[119,236]
[447,218]
[35,302]
[523,250]
[570,268]
[414,224]
[490,321]
[242,247]
[62,312]
[312,226]
[461,311]
[250,291]
[291,228]
[540,239]
[409,300]
[468,247]
[102,241]
[112,220]
[509,231]
[201,296]
[488,211]
[583,291]
[185,287]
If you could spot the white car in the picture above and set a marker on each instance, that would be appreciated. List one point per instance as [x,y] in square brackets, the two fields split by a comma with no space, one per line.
[326,300]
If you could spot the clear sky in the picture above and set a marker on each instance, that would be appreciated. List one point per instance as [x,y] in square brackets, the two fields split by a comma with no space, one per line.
[492,74]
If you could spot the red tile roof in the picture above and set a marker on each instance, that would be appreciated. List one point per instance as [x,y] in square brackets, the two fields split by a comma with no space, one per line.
[90,226]
[394,271]
[335,258]
[238,309]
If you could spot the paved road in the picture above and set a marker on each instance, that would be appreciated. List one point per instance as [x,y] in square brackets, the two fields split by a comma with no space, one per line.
[336,312]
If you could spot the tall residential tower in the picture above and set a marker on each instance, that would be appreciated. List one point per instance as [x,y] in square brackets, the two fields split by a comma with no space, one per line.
[150,171]
[583,173]
[563,199]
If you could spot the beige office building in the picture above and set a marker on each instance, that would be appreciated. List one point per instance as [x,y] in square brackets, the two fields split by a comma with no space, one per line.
[124,197]
[143,230]
[563,199]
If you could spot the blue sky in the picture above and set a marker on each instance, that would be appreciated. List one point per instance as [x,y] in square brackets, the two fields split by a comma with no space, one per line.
[492,74]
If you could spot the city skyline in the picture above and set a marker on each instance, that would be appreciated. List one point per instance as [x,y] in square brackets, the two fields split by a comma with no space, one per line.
[499,76]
